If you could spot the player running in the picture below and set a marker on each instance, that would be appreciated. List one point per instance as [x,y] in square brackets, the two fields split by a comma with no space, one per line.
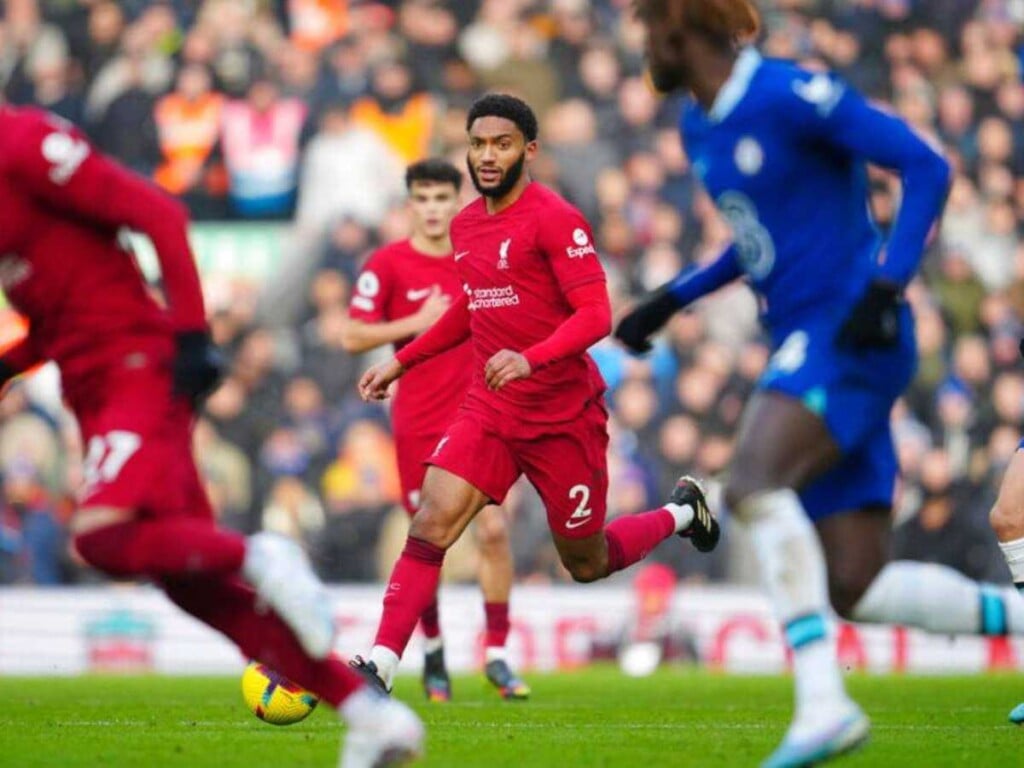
[402,290]
[533,301]
[133,373]
[783,151]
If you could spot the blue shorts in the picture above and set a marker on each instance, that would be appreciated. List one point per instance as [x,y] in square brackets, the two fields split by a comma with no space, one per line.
[853,392]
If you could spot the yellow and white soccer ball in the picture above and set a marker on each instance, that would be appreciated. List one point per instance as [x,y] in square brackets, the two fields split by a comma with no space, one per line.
[274,698]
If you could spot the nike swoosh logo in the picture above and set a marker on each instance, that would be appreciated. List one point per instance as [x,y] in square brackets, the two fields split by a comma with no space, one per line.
[570,524]
[460,254]
[414,295]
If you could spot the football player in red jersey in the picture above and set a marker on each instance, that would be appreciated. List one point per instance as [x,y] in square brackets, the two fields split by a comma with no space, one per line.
[403,288]
[133,373]
[534,300]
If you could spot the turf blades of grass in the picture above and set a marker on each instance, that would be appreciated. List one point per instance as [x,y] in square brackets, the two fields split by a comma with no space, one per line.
[594,718]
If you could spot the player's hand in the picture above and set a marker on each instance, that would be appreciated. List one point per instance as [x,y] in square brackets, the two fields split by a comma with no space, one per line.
[198,366]
[874,320]
[647,318]
[435,305]
[373,385]
[505,366]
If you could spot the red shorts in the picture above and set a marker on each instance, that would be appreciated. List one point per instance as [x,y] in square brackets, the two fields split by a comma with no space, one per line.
[137,441]
[413,451]
[567,462]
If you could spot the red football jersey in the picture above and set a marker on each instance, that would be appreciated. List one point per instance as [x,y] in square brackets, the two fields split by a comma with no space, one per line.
[394,284]
[62,264]
[516,267]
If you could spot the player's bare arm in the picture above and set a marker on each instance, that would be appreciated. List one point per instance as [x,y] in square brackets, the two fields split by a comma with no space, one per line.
[360,336]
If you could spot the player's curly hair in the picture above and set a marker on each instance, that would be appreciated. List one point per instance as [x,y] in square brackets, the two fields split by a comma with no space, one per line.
[435,169]
[727,21]
[508,107]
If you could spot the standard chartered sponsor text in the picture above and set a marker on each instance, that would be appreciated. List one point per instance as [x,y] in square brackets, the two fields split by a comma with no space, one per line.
[493,298]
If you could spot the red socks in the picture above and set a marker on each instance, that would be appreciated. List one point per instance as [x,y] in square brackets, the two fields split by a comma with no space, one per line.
[631,537]
[228,604]
[172,547]
[411,589]
[430,622]
[497,624]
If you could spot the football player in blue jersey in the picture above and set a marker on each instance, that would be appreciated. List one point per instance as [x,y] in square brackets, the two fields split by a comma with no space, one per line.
[783,152]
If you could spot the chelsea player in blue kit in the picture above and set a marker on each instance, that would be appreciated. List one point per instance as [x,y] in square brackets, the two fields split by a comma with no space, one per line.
[782,151]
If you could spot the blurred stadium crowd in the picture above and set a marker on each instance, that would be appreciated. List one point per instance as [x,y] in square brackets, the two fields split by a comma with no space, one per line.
[306,111]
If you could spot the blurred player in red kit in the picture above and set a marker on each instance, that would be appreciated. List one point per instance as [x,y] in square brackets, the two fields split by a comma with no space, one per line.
[401,291]
[133,374]
[534,300]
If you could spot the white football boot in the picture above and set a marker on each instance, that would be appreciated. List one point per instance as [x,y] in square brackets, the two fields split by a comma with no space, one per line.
[382,732]
[280,572]
[842,732]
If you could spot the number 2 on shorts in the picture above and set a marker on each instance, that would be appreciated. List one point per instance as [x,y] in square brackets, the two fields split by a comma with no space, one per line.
[581,494]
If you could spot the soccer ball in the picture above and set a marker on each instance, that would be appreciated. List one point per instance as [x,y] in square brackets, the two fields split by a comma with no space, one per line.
[274,698]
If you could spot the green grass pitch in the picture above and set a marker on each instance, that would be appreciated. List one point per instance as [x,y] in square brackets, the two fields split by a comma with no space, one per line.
[594,718]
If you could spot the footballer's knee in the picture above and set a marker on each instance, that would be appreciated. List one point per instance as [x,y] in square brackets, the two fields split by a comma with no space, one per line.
[102,540]
[89,519]
[436,521]
[585,570]
[432,528]
[750,473]
[742,486]
[491,530]
[1007,518]
[846,587]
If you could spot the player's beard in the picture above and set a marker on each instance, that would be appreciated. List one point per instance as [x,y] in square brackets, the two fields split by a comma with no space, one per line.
[667,77]
[664,80]
[508,180]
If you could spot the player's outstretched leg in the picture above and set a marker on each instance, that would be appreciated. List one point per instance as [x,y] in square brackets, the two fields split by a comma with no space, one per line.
[496,576]
[381,732]
[278,569]
[827,722]
[630,538]
[939,599]
[447,505]
[184,546]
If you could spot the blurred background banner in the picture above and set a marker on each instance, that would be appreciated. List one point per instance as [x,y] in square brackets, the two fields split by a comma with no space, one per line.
[135,629]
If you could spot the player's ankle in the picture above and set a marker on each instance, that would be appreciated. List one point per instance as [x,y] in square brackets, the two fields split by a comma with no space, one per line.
[386,661]
[682,514]
[495,653]
[361,706]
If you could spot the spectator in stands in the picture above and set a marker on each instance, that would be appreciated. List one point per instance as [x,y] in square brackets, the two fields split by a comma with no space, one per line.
[397,112]
[260,138]
[32,537]
[188,124]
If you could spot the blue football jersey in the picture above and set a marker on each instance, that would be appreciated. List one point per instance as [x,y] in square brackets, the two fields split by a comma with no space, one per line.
[783,153]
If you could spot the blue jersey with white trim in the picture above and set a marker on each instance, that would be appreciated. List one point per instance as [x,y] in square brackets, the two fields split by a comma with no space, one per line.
[783,153]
